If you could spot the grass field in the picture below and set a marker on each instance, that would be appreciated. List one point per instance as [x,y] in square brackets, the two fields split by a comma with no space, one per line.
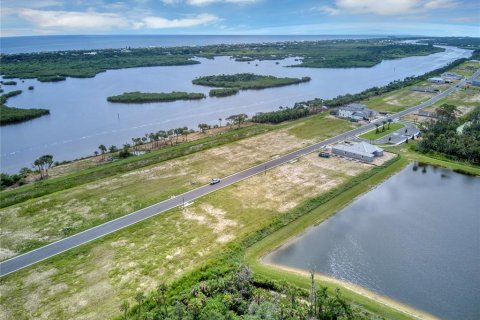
[90,282]
[373,135]
[36,222]
[397,100]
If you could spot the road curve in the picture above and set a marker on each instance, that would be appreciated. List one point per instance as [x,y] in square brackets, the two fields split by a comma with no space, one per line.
[50,250]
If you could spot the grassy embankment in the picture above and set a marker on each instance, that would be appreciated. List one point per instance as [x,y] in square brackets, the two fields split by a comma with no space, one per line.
[145,97]
[373,134]
[315,215]
[56,66]
[244,81]
[10,115]
[78,207]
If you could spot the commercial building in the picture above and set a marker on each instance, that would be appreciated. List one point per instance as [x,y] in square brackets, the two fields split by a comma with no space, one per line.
[356,111]
[362,151]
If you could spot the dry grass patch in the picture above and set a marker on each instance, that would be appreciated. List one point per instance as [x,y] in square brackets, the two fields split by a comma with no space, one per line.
[39,221]
[90,282]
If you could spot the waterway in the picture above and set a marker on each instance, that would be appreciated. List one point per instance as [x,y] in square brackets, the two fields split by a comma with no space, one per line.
[81,118]
[414,238]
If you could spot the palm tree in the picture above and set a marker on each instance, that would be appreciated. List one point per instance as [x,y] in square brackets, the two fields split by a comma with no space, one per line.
[389,121]
[95,153]
[376,127]
[139,297]
[102,149]
[162,291]
[220,120]
[384,123]
[124,308]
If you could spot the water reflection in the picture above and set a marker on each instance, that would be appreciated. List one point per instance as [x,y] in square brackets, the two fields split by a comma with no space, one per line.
[414,238]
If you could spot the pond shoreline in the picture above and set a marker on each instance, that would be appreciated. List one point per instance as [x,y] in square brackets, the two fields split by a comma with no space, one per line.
[381,299]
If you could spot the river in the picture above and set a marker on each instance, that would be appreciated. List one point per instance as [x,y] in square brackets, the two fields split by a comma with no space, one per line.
[81,118]
[414,238]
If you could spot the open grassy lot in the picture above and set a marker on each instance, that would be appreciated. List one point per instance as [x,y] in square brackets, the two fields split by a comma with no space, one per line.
[90,282]
[397,100]
[467,69]
[466,99]
[35,222]
[373,134]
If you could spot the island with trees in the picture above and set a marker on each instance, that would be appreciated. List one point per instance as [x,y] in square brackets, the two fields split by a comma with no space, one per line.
[58,65]
[11,115]
[244,81]
[223,92]
[147,97]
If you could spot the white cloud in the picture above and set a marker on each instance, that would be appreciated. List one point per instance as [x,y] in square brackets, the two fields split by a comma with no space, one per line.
[162,23]
[386,7]
[54,21]
[207,2]
[45,19]
[328,10]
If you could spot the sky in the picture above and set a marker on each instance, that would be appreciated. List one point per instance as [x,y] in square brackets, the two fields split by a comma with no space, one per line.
[246,17]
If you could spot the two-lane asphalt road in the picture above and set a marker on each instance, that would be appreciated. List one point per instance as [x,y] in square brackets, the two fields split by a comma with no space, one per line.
[37,255]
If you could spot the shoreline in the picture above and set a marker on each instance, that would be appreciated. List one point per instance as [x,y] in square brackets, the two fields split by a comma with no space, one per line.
[381,299]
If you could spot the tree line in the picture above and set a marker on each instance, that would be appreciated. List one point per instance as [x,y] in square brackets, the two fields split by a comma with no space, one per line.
[10,115]
[144,97]
[445,136]
[239,294]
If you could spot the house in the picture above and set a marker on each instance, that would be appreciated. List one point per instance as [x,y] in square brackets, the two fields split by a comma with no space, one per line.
[362,151]
[476,82]
[429,114]
[436,80]
[451,76]
[356,111]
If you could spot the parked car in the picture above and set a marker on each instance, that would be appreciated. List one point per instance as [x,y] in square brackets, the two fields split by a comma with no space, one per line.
[215,181]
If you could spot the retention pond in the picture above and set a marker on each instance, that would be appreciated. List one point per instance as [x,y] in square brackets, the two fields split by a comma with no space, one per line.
[415,238]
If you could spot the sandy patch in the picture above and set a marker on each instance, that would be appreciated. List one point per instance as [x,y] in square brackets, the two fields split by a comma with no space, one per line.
[6,253]
[408,310]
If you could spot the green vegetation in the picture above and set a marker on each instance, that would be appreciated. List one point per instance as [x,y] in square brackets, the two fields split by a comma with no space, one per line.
[281,115]
[244,81]
[239,294]
[9,83]
[56,66]
[10,115]
[145,97]
[442,135]
[225,92]
[4,97]
[378,133]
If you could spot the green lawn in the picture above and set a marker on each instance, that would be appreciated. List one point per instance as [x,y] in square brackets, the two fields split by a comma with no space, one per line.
[373,135]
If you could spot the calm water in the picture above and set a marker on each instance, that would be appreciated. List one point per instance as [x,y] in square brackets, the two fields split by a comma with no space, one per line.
[415,238]
[81,118]
[87,42]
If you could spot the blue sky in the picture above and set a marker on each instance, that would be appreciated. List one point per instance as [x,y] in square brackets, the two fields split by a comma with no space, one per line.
[395,17]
